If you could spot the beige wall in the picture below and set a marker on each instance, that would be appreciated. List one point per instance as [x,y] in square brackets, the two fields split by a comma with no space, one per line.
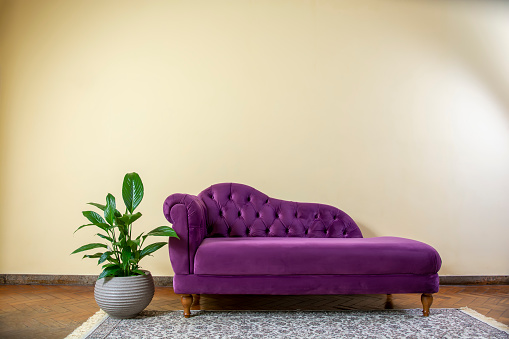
[396,112]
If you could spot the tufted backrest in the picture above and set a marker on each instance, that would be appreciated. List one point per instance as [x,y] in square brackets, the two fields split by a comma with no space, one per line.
[236,210]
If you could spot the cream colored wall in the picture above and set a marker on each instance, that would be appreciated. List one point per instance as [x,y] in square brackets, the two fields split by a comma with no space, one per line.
[396,112]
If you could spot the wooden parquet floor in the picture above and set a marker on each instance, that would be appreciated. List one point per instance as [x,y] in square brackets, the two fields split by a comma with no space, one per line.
[34,311]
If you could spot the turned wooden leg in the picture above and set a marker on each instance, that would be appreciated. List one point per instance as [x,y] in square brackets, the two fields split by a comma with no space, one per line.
[187,301]
[427,300]
[388,302]
[196,299]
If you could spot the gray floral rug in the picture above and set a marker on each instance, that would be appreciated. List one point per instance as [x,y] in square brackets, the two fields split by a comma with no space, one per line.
[442,323]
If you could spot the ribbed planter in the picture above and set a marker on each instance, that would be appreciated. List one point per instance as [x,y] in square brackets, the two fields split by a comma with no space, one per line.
[124,297]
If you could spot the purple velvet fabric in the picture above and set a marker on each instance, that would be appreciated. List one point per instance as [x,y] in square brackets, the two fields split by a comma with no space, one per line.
[236,240]
[187,214]
[236,210]
[305,284]
[300,256]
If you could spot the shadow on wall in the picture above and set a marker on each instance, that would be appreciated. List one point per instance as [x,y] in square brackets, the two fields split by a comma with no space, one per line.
[474,50]
[466,42]
[366,232]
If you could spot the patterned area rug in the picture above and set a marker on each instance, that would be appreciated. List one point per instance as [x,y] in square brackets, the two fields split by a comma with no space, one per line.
[442,323]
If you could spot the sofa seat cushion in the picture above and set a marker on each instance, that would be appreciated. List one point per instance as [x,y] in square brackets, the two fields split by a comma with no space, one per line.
[290,256]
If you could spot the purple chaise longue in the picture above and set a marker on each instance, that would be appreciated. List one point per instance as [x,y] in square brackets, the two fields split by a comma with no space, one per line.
[237,240]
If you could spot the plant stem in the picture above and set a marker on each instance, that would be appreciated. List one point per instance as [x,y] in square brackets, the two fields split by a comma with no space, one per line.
[114,247]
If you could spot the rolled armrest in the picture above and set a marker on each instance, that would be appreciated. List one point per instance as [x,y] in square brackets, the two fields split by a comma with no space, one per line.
[187,214]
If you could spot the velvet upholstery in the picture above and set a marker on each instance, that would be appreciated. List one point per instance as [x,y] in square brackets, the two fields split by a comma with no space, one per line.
[187,214]
[305,284]
[300,256]
[236,210]
[237,240]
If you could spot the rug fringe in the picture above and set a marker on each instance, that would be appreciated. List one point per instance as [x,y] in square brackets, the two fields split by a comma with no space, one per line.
[485,319]
[88,326]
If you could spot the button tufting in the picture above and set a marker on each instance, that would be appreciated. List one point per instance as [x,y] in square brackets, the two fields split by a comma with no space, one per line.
[275,217]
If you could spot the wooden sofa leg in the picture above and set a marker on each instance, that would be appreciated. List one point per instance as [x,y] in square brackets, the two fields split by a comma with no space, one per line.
[388,302]
[427,300]
[187,301]
[196,299]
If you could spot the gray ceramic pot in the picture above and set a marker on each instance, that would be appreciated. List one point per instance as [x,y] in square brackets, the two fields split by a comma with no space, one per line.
[124,297]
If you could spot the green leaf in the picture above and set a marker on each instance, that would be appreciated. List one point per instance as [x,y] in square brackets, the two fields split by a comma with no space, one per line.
[104,237]
[79,228]
[136,256]
[140,272]
[126,255]
[123,229]
[109,211]
[132,191]
[89,247]
[111,265]
[113,260]
[93,217]
[130,218]
[163,231]
[109,272]
[133,244]
[103,207]
[151,249]
[96,255]
[104,227]
[105,256]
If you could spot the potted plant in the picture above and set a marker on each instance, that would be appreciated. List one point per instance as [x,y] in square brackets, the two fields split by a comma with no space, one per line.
[123,289]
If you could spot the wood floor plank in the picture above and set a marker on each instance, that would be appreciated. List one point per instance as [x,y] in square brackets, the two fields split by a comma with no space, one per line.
[32,311]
